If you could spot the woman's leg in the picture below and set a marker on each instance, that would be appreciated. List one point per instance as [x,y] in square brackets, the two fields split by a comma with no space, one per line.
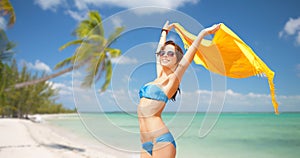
[145,154]
[164,149]
[147,150]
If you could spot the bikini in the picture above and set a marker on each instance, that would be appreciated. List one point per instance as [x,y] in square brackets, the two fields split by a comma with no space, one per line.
[167,137]
[152,91]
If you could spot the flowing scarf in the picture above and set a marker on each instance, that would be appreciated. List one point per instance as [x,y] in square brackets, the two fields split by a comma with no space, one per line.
[229,56]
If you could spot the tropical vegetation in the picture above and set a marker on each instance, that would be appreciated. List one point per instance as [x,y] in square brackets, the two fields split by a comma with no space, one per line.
[39,98]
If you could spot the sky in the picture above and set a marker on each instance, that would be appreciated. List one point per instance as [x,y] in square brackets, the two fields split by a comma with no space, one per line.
[271,29]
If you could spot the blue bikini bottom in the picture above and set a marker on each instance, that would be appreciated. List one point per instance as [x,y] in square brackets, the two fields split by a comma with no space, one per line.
[167,137]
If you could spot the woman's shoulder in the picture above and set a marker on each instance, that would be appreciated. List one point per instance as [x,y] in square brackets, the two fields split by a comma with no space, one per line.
[173,77]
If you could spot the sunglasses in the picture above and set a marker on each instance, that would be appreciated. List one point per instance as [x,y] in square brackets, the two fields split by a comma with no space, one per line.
[162,53]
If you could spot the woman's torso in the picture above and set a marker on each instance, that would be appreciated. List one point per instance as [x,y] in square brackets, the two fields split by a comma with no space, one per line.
[150,109]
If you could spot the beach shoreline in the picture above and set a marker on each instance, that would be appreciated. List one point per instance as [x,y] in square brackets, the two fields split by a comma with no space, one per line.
[25,138]
[65,136]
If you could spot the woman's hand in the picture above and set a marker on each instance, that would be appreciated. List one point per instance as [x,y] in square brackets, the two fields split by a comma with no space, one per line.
[213,29]
[168,26]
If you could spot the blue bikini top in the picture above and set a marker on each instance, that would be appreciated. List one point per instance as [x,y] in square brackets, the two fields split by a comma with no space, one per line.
[152,91]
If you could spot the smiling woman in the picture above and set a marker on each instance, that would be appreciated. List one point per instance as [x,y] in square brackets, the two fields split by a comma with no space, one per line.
[170,67]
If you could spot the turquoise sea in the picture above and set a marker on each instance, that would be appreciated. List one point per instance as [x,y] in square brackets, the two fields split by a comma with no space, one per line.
[235,135]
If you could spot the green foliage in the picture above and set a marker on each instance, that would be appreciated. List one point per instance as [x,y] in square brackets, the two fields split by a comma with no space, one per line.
[6,47]
[7,9]
[93,51]
[38,98]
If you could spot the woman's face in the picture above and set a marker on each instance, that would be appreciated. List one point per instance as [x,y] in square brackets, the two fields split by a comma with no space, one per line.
[168,57]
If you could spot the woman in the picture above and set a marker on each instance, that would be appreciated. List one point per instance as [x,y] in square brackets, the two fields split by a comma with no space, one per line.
[171,64]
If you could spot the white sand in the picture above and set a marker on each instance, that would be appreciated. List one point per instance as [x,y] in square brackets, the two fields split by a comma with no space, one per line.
[23,138]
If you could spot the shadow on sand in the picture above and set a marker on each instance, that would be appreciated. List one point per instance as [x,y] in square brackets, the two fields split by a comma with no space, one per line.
[64,147]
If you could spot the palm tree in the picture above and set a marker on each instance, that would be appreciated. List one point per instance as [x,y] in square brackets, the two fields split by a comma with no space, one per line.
[94,52]
[5,80]
[7,9]
[39,98]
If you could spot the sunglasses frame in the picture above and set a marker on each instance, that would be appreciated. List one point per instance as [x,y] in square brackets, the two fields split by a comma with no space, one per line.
[169,53]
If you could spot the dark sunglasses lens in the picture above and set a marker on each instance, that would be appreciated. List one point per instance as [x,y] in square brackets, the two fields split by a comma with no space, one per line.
[162,53]
[170,54]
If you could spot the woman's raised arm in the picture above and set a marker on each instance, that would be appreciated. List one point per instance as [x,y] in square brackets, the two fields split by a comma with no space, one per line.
[190,53]
[165,30]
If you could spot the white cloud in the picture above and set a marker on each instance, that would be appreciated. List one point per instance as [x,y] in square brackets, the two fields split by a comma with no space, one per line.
[292,28]
[64,90]
[50,4]
[3,23]
[172,4]
[58,85]
[239,102]
[138,3]
[124,60]
[83,5]
[76,15]
[65,93]
[38,65]
[117,21]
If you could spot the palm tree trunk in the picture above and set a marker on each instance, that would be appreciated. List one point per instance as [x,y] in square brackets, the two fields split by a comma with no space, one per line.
[33,82]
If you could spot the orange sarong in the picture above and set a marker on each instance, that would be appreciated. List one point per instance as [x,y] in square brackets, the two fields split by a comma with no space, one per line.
[229,56]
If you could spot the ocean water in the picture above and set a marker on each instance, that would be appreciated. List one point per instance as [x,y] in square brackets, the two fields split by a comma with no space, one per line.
[234,135]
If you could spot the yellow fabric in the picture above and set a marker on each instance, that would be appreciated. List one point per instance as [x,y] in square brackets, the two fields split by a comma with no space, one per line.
[229,56]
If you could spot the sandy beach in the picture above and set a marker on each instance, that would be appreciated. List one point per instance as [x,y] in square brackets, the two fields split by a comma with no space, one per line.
[24,138]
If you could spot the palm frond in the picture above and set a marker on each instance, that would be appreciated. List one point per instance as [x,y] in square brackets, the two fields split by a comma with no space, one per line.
[115,35]
[84,52]
[3,37]
[10,45]
[108,69]
[95,68]
[7,9]
[75,42]
[113,52]
[89,78]
[65,62]
[97,23]
[96,38]
[83,29]
[99,66]
[92,25]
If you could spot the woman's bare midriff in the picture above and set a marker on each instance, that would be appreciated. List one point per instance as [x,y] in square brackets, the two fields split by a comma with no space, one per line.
[151,123]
